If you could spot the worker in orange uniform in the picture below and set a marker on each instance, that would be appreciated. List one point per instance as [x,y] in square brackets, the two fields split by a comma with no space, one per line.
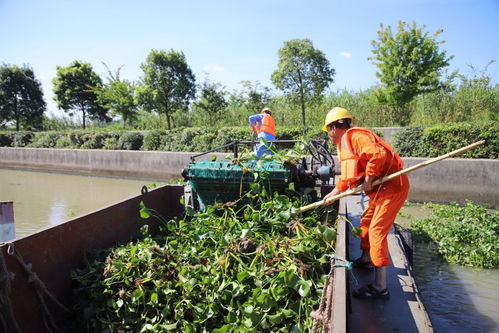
[263,125]
[365,157]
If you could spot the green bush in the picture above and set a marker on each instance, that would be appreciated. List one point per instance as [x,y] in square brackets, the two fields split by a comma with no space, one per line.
[111,143]
[45,139]
[228,134]
[5,139]
[439,140]
[131,141]
[408,140]
[64,143]
[170,141]
[203,142]
[153,139]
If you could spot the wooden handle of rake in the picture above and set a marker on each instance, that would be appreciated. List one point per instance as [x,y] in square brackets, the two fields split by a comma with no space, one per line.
[387,178]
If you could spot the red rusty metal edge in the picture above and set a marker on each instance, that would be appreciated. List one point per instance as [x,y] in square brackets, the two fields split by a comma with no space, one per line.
[54,252]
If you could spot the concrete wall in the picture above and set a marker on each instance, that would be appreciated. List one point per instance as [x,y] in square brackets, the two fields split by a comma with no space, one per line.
[150,165]
[388,132]
[448,180]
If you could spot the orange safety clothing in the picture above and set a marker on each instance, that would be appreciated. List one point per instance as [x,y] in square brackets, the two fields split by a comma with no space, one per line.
[361,153]
[268,125]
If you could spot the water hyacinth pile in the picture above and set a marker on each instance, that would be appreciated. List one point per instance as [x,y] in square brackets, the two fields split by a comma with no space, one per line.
[231,268]
[466,235]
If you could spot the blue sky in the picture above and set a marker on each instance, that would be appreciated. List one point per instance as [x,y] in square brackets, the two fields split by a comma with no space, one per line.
[234,40]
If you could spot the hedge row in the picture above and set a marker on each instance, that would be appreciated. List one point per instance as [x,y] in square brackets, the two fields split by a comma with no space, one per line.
[438,140]
[191,139]
[408,141]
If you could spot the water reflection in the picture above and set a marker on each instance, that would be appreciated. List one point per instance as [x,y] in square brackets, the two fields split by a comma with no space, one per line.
[457,298]
[44,199]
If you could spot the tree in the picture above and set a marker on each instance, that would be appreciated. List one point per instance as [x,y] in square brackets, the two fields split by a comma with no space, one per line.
[119,96]
[255,97]
[21,97]
[212,100]
[168,83]
[409,64]
[303,72]
[75,90]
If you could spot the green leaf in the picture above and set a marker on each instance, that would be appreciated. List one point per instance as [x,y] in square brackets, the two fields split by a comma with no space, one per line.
[285,214]
[213,158]
[154,298]
[190,212]
[304,288]
[145,212]
[223,329]
[276,319]
[329,234]
[248,309]
[169,327]
[356,231]
[189,328]
[230,318]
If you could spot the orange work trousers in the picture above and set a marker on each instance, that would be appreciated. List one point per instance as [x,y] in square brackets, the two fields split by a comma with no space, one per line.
[378,218]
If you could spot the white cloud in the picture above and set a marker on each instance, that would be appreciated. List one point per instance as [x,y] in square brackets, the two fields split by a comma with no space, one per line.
[345,54]
[213,68]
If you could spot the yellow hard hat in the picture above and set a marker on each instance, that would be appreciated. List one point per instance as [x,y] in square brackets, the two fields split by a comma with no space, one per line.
[334,115]
[266,110]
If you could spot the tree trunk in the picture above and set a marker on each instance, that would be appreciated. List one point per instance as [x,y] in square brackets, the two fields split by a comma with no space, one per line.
[17,115]
[167,114]
[83,115]
[302,102]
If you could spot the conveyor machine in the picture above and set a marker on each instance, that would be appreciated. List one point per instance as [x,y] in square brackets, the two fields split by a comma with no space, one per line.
[213,181]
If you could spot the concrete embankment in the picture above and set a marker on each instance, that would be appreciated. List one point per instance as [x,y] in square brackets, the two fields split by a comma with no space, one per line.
[449,180]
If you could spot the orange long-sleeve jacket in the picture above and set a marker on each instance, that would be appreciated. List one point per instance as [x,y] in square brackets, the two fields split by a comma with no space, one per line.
[373,156]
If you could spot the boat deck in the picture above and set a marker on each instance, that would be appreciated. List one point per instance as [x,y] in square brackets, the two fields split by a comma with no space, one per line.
[403,311]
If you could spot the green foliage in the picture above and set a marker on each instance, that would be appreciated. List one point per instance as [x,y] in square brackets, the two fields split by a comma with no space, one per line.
[231,268]
[409,64]
[211,101]
[5,139]
[466,235]
[131,141]
[168,83]
[93,140]
[16,139]
[474,99]
[74,89]
[152,139]
[303,72]
[408,141]
[21,97]
[45,139]
[439,140]
[254,96]
[59,123]
[119,96]
[229,134]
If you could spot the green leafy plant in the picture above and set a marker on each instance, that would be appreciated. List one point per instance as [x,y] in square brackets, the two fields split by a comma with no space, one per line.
[466,235]
[231,268]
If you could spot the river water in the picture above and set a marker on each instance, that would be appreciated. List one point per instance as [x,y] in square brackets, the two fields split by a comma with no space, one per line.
[45,199]
[458,299]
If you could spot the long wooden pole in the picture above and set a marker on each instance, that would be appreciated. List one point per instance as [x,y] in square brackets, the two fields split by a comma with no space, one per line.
[387,178]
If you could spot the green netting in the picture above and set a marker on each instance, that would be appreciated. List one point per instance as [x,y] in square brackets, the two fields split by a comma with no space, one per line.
[223,181]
